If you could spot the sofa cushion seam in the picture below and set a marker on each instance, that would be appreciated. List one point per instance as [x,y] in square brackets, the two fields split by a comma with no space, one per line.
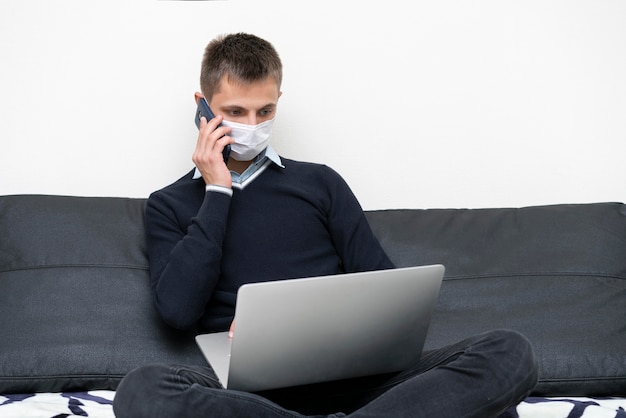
[55,266]
[534,274]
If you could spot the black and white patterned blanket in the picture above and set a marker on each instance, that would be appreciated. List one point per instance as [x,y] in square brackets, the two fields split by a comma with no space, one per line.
[98,404]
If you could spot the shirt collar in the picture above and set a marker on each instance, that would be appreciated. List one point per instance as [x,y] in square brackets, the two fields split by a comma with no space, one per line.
[268,153]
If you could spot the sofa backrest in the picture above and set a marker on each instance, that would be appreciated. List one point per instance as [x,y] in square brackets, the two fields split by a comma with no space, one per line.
[555,273]
[77,312]
[75,298]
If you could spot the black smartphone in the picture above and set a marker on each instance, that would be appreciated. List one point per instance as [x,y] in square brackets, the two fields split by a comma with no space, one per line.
[205,110]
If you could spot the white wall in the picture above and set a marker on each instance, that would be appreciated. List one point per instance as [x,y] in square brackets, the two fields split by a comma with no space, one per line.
[417,104]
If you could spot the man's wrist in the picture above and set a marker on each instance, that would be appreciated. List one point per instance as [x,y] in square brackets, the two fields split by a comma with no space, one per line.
[219,189]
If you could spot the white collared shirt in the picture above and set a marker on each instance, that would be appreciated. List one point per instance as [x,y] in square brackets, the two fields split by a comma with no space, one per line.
[260,163]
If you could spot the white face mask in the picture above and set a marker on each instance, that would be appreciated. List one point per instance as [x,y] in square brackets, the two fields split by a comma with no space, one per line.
[250,140]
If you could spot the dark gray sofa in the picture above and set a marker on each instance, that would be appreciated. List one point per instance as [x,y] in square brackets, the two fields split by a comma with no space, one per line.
[76,311]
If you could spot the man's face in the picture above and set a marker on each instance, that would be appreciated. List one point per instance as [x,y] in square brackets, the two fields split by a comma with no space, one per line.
[250,104]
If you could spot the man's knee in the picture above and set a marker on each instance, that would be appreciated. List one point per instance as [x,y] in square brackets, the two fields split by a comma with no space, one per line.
[513,342]
[138,392]
[516,356]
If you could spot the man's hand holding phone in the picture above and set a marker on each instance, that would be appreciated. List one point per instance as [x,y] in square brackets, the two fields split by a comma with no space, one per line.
[209,155]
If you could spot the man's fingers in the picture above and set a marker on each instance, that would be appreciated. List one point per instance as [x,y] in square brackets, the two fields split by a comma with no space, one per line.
[231,331]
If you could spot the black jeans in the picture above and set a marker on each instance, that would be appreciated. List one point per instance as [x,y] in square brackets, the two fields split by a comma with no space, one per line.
[479,377]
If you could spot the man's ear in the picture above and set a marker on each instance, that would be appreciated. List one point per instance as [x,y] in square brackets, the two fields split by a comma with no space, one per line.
[197,96]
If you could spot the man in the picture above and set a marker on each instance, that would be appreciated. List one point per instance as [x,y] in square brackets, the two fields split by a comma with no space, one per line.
[259,217]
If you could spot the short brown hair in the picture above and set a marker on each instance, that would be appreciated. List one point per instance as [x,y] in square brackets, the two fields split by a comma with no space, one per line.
[242,58]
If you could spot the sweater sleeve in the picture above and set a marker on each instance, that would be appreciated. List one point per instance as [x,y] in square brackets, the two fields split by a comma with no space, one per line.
[350,231]
[185,261]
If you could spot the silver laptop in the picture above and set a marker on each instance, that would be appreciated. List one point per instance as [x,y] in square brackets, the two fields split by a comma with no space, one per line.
[312,330]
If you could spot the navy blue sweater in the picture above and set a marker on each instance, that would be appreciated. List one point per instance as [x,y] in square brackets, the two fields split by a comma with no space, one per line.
[300,221]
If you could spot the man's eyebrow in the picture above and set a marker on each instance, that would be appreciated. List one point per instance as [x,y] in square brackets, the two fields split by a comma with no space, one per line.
[237,107]
[265,106]
[232,107]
